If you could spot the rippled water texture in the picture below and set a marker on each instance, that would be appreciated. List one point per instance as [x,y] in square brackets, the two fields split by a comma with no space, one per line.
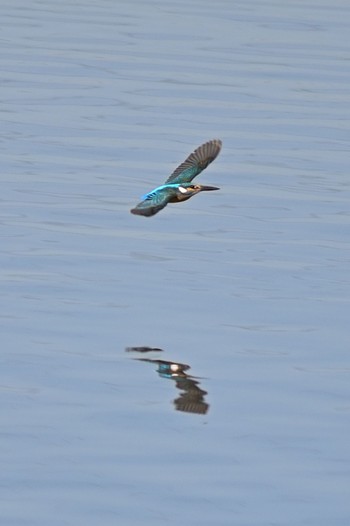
[191,367]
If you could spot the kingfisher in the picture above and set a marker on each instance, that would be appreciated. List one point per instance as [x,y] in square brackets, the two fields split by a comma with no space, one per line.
[178,186]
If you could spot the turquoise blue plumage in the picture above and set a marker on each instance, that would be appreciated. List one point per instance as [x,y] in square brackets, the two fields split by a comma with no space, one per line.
[178,186]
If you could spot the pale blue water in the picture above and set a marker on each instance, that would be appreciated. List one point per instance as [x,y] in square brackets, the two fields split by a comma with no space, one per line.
[249,286]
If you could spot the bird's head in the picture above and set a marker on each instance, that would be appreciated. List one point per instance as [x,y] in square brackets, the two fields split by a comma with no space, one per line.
[187,190]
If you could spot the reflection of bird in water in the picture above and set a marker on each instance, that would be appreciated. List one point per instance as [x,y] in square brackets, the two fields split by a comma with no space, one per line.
[191,400]
[143,349]
[178,186]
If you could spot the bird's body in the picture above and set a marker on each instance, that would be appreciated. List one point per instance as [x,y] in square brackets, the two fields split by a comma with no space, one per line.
[178,186]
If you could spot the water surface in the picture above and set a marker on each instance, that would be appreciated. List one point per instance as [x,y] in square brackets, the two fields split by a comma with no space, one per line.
[248,286]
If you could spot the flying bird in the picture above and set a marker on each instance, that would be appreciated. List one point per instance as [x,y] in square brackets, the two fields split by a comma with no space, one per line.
[178,186]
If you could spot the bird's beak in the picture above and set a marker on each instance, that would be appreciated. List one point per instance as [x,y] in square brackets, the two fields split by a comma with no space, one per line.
[207,188]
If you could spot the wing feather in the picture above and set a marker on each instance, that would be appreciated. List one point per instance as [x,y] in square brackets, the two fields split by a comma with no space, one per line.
[196,162]
[153,203]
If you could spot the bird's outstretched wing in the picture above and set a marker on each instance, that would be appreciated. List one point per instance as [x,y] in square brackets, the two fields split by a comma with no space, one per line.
[153,203]
[196,162]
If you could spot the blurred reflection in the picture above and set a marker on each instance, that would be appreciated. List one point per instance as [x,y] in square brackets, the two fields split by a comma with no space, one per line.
[143,349]
[191,399]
